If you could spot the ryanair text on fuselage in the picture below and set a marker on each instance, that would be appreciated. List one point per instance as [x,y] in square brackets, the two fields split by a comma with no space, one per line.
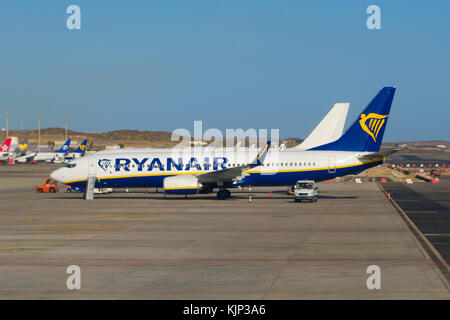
[144,164]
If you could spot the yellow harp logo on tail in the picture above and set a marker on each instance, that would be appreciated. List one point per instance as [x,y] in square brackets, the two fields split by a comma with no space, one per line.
[372,124]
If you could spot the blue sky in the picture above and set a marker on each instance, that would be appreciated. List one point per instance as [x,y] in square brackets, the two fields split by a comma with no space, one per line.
[160,65]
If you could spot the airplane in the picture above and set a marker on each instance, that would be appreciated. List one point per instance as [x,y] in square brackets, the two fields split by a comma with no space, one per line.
[328,130]
[4,149]
[52,156]
[22,147]
[21,154]
[78,153]
[190,173]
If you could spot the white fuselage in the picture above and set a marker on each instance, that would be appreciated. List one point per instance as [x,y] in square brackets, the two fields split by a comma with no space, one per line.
[47,156]
[148,168]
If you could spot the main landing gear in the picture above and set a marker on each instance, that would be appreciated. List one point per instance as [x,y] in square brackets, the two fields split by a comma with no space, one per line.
[223,194]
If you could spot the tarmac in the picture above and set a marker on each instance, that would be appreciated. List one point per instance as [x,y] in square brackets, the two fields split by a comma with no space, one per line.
[419,159]
[428,206]
[141,246]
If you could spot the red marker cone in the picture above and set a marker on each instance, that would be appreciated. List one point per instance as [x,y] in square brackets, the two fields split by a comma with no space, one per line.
[270,194]
[249,199]
[10,161]
[389,196]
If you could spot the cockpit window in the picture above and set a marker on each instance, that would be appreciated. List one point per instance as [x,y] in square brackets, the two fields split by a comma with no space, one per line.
[70,165]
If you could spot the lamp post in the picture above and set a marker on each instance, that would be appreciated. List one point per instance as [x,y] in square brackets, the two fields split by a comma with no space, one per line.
[7,123]
[66,122]
[39,132]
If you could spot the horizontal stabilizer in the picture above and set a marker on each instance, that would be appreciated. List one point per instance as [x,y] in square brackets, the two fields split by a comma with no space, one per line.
[381,154]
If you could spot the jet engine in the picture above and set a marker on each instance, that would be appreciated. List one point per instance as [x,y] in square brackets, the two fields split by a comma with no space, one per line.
[182,184]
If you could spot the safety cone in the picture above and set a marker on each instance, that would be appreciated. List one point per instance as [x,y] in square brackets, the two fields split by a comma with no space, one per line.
[250,199]
[389,196]
[270,194]
[10,161]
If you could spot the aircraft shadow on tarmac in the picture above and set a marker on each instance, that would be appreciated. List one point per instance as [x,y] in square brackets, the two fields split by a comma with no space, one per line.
[240,196]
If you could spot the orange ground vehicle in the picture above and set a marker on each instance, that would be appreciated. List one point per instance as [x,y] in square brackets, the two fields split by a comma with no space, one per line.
[49,186]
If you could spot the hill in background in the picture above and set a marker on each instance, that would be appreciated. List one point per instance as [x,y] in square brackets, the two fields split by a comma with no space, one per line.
[162,139]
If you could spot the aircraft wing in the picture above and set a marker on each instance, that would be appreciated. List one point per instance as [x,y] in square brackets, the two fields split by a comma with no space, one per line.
[25,156]
[376,155]
[230,174]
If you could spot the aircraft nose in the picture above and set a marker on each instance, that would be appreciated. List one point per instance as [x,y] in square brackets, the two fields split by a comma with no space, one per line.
[58,175]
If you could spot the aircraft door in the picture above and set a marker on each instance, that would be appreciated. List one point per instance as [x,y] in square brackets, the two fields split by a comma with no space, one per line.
[92,167]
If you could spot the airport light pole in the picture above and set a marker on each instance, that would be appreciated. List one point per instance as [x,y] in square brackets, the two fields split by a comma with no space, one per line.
[7,123]
[66,121]
[39,132]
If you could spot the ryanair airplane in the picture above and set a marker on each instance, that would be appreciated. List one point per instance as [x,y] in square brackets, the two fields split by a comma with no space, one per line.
[78,152]
[203,170]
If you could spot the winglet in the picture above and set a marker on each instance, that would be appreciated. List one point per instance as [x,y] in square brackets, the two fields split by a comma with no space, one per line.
[262,154]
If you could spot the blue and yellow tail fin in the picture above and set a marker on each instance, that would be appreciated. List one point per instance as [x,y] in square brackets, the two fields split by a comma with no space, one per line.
[82,147]
[366,133]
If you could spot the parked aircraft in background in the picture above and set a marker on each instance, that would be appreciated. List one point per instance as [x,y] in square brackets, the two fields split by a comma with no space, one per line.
[202,171]
[52,156]
[4,149]
[21,154]
[79,152]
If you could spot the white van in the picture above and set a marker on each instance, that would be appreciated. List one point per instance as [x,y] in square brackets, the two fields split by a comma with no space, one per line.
[305,190]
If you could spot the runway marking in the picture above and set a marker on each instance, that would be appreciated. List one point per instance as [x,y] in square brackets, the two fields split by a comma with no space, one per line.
[136,217]
[79,236]
[421,211]
[104,227]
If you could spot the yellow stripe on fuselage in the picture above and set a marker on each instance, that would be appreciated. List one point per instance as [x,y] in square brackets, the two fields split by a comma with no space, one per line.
[179,188]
